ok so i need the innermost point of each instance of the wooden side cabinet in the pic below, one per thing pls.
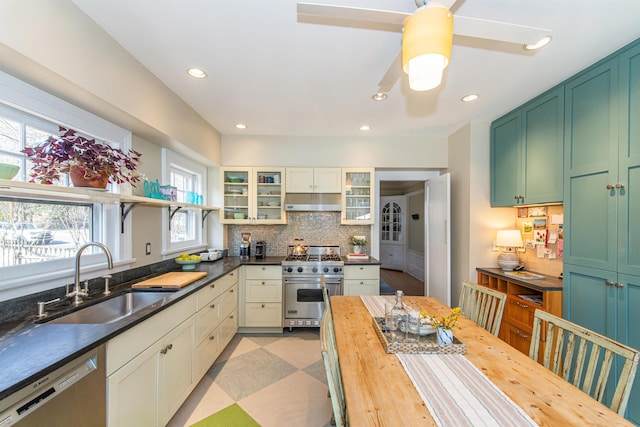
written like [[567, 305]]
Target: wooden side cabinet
[[523, 298]]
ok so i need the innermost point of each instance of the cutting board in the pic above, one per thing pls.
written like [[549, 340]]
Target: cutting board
[[171, 280]]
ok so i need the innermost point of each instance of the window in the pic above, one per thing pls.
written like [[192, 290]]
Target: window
[[39, 238], [186, 223]]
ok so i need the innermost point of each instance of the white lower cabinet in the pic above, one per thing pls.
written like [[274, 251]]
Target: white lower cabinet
[[361, 280], [261, 297], [152, 367]]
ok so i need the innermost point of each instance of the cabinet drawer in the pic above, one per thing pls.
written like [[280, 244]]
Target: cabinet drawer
[[207, 351], [264, 272], [228, 328], [266, 290], [517, 337], [362, 272], [267, 314], [362, 287], [207, 318], [216, 288], [228, 301], [520, 312]]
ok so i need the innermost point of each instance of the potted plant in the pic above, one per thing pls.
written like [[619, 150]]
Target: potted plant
[[88, 163], [358, 242]]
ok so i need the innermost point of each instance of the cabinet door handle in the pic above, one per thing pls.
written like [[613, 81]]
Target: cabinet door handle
[[212, 337], [521, 335], [213, 285], [263, 283], [166, 348], [519, 304], [262, 305], [608, 282], [619, 285]]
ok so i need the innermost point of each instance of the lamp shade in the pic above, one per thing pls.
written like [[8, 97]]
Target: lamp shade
[[509, 239], [426, 45]]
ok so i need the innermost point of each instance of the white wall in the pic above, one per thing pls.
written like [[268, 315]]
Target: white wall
[[379, 152], [473, 221], [51, 44]]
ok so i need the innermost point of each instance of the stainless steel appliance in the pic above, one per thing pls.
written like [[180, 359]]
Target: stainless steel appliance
[[302, 286], [73, 395], [261, 249]]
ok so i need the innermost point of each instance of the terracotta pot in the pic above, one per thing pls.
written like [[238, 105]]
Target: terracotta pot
[[78, 180]]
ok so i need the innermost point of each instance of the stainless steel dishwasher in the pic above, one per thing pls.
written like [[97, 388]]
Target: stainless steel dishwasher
[[73, 395]]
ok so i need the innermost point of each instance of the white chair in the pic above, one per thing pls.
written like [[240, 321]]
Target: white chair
[[584, 358], [483, 306], [332, 368]]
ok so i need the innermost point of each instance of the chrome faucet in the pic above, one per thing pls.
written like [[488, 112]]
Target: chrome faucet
[[77, 292]]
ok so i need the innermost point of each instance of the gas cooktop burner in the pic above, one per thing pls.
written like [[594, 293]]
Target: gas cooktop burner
[[315, 254], [314, 258]]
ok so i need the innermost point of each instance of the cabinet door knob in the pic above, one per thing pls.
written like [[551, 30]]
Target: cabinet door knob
[[263, 283], [608, 282], [262, 305], [212, 306], [212, 337], [619, 285], [213, 285], [618, 185]]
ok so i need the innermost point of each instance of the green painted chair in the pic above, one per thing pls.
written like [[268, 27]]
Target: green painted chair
[[332, 368], [483, 306], [584, 358]]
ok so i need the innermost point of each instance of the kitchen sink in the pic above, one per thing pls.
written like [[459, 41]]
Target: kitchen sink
[[112, 309]]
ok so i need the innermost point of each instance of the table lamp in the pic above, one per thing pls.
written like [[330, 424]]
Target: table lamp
[[509, 240]]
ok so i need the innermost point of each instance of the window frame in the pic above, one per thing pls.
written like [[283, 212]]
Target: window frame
[[23, 98], [171, 160]]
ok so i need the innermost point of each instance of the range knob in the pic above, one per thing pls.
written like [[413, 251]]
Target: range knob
[[289, 269], [326, 269], [300, 269], [336, 269], [314, 269]]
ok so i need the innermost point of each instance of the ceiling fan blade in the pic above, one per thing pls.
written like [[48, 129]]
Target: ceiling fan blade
[[392, 75], [352, 14], [494, 30]]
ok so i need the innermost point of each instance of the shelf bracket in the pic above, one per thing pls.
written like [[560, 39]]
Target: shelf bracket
[[172, 213], [124, 212], [205, 214]]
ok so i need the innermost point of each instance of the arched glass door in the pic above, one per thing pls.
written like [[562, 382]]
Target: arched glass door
[[392, 227]]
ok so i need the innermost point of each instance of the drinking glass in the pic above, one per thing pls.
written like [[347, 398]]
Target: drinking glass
[[390, 321]]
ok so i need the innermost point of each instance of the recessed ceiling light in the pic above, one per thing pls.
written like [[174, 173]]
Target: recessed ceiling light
[[380, 96], [197, 73], [364, 127], [241, 126], [541, 43], [470, 97]]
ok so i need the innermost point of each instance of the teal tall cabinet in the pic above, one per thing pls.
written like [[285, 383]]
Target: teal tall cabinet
[[601, 287], [526, 153]]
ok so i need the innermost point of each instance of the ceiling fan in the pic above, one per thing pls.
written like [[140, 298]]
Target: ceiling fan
[[427, 36]]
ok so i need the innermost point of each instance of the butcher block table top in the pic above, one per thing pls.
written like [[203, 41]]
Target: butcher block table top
[[378, 391], [175, 279]]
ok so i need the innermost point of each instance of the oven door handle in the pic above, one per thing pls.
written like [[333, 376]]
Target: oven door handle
[[311, 280]]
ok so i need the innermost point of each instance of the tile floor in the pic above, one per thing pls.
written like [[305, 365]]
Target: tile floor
[[278, 379]]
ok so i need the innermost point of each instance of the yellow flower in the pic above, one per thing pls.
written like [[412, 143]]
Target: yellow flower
[[447, 322]]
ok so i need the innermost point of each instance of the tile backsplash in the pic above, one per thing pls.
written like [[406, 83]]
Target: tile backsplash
[[316, 228]]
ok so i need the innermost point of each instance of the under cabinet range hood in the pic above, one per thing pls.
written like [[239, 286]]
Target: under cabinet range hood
[[316, 202]]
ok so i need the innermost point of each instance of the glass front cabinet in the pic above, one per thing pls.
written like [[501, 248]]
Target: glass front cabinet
[[253, 195], [357, 196]]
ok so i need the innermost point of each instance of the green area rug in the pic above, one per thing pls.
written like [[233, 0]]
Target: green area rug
[[231, 416]]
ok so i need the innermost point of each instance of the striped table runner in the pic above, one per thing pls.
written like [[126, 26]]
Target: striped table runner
[[455, 391]]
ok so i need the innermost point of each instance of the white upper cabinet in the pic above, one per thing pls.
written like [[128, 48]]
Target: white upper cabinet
[[314, 180]]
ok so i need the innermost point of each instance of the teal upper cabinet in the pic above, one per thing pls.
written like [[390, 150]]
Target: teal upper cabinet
[[629, 164], [590, 163], [526, 153]]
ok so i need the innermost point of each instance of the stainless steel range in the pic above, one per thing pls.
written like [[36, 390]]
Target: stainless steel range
[[302, 274]]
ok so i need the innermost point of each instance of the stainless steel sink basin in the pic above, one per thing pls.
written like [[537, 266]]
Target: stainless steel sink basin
[[112, 309]]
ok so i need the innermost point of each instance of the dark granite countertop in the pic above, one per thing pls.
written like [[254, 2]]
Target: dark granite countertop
[[370, 261], [549, 283], [29, 350]]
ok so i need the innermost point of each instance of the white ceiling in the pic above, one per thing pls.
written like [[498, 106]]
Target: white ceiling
[[282, 76]]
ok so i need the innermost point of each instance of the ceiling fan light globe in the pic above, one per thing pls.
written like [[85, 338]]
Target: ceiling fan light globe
[[425, 72], [427, 37]]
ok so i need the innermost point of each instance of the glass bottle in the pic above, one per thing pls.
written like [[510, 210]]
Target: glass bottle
[[399, 317]]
